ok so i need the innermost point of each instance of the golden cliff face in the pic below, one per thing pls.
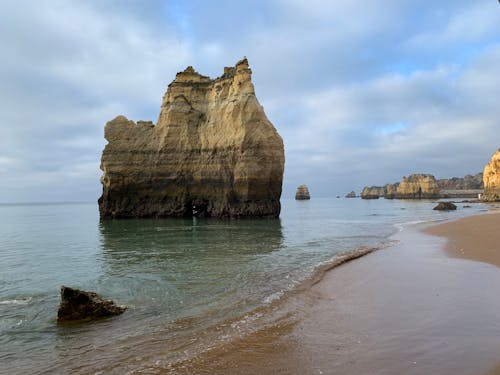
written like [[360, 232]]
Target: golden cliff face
[[418, 186], [491, 179], [213, 151]]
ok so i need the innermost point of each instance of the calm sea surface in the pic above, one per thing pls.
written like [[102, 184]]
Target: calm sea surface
[[187, 283]]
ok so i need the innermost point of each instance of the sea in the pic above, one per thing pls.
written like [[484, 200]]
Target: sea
[[189, 285]]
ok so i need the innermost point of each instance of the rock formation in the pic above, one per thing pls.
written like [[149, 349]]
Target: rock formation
[[491, 179], [372, 192], [352, 194], [213, 152], [391, 190], [302, 193], [80, 305], [468, 182], [418, 186], [445, 206]]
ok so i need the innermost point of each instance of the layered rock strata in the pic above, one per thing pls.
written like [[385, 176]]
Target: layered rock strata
[[302, 193], [415, 186], [491, 179], [418, 186], [213, 152], [372, 192]]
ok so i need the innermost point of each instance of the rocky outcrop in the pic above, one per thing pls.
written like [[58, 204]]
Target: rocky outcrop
[[468, 182], [491, 179], [302, 193], [213, 152], [372, 192], [390, 191], [352, 194], [418, 186], [80, 305], [445, 206]]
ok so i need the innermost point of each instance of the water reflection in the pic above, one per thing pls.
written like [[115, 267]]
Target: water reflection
[[182, 267], [136, 241]]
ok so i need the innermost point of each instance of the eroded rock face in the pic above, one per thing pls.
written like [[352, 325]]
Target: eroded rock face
[[491, 179], [372, 192], [302, 193], [80, 305], [418, 186], [468, 182], [212, 151]]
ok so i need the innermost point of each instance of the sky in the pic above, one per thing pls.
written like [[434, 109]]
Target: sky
[[362, 92]]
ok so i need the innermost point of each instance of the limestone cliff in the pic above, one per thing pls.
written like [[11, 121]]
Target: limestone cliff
[[418, 186], [468, 182], [491, 179], [391, 190], [302, 193], [372, 192], [213, 152]]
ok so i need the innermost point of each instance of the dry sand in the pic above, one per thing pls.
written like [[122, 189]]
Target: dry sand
[[408, 309], [474, 237]]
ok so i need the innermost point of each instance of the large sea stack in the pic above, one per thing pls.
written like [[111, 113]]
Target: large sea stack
[[418, 186], [491, 179], [213, 152]]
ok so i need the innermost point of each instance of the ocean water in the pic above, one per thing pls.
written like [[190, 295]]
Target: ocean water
[[189, 284]]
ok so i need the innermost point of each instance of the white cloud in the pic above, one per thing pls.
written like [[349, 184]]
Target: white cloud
[[361, 93]]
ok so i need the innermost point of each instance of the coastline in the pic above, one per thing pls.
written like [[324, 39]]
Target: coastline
[[410, 308], [474, 237]]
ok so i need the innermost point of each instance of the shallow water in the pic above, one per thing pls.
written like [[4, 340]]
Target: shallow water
[[189, 284]]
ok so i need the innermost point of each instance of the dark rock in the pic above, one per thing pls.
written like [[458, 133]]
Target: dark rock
[[445, 206], [352, 194], [80, 305]]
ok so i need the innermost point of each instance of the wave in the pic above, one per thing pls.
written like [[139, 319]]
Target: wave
[[17, 301]]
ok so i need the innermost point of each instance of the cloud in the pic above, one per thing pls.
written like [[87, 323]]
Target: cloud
[[361, 92]]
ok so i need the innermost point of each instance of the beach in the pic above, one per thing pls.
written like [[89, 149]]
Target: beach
[[475, 238], [410, 308]]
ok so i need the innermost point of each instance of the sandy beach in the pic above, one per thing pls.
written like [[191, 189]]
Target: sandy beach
[[476, 237], [406, 309]]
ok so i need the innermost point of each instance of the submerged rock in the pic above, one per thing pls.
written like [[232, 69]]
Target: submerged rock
[[302, 193], [491, 179], [445, 206], [80, 305], [212, 153]]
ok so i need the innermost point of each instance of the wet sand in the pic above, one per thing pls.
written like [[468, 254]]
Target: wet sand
[[476, 237], [407, 309]]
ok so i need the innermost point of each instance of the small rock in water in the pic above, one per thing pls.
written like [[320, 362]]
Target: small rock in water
[[445, 206], [80, 305]]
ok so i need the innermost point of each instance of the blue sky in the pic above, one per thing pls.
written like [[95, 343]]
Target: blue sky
[[362, 93]]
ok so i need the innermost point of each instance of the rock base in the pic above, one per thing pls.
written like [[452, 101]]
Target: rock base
[[80, 305]]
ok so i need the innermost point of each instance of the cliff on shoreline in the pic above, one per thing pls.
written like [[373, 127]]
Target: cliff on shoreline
[[213, 153], [425, 186], [491, 178]]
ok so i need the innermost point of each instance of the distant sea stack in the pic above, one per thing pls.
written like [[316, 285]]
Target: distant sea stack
[[352, 194], [491, 179], [418, 186], [372, 192], [302, 193], [213, 152], [415, 186]]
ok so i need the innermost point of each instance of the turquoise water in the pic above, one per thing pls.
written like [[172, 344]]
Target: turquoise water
[[181, 279]]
